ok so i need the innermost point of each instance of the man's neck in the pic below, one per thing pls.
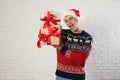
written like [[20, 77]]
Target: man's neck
[[78, 30]]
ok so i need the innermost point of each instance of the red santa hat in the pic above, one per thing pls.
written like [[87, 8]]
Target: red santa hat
[[73, 12]]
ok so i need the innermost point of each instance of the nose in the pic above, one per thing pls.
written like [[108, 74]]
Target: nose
[[68, 23]]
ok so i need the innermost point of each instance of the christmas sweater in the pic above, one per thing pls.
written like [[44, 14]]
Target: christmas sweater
[[72, 57]]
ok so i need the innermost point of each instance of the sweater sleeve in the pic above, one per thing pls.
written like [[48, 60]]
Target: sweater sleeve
[[63, 50]]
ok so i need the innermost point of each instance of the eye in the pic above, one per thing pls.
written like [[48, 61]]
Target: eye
[[66, 21]]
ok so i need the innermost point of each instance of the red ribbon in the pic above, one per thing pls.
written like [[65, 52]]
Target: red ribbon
[[46, 37], [49, 18]]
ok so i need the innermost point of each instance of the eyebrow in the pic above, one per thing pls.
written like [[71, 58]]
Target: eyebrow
[[71, 17]]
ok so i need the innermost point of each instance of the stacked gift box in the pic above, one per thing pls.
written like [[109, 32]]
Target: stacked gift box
[[50, 29]]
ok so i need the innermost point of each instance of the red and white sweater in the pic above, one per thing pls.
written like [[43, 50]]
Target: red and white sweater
[[72, 57]]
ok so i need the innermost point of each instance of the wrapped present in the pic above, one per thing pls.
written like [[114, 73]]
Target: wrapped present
[[49, 31], [51, 18]]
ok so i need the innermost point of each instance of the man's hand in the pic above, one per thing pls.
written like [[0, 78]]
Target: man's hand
[[59, 47]]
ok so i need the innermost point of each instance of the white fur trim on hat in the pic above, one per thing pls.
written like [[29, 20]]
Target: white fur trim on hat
[[70, 12]]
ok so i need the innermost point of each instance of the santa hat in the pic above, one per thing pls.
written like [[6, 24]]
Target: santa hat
[[73, 12]]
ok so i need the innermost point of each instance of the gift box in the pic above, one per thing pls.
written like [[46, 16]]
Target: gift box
[[52, 17], [50, 29]]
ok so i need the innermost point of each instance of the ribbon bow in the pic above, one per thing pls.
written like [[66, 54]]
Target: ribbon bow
[[76, 12], [49, 18], [46, 37]]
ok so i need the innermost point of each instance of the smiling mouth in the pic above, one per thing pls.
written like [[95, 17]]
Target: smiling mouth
[[72, 26]]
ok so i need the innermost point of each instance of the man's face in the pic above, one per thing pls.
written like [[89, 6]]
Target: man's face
[[71, 22]]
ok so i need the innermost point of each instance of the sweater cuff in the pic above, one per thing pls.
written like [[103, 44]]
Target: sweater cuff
[[63, 50]]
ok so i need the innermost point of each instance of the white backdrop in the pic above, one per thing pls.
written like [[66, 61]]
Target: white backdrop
[[20, 59]]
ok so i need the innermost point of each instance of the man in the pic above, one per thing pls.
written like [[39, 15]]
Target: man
[[74, 50]]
